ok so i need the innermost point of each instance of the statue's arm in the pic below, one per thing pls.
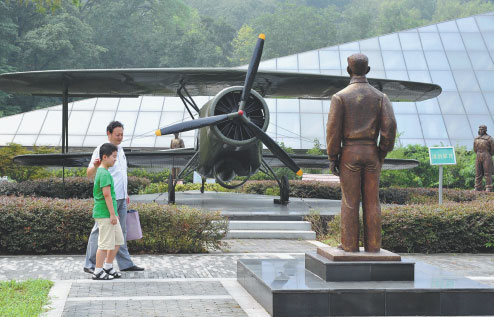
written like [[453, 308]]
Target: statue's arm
[[491, 150], [387, 129], [334, 128]]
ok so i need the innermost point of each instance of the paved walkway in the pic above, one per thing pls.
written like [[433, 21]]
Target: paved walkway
[[185, 285]]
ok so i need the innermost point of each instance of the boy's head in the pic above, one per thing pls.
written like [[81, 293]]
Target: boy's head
[[108, 154], [114, 131]]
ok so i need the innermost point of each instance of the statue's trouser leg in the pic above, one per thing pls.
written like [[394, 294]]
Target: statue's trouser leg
[[479, 173], [487, 165], [350, 173], [370, 202]]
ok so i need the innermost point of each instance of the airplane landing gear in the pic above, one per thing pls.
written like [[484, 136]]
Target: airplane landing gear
[[171, 190], [284, 192], [203, 180]]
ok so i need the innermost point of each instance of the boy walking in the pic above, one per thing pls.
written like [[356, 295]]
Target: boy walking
[[105, 214]]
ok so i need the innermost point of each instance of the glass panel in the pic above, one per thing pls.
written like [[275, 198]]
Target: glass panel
[[485, 23], [31, 122], [465, 80], [489, 40], [415, 60], [466, 143], [370, 44], [164, 140], [393, 60], [449, 26], [436, 142], [310, 144], [458, 126], [144, 142], [189, 141], [310, 71], [174, 104], [467, 25], [452, 42], [308, 105], [474, 42], [147, 123], [294, 143], [269, 64], [473, 103], [330, 48], [152, 103], [5, 139], [481, 61], [489, 98], [271, 104], [10, 124], [429, 28], [110, 104], [404, 107], [428, 107], [390, 42], [349, 46], [375, 59], [376, 74], [420, 76], [326, 104], [308, 60], [477, 120], [99, 122], [405, 142], [397, 75], [485, 78], [410, 41], [48, 140], [25, 140], [459, 60], [444, 79], [336, 72], [93, 141], [272, 125], [287, 62], [433, 126], [169, 118], [86, 104], [75, 140], [312, 126], [78, 122], [343, 58], [437, 60], [288, 125], [287, 105], [128, 119], [129, 104], [450, 103], [431, 41], [53, 123], [408, 126]]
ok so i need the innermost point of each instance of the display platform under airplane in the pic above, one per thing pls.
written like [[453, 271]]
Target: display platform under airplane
[[232, 125]]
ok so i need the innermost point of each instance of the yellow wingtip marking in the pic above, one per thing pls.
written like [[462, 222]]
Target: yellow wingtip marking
[[299, 173], [157, 132], [262, 36]]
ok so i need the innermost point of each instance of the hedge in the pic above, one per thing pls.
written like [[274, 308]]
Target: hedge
[[450, 227], [75, 187], [30, 225]]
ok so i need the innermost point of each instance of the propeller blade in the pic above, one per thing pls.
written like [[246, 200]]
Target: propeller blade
[[252, 70], [192, 124], [272, 146]]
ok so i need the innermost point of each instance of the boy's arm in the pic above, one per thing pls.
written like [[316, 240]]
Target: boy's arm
[[93, 164], [109, 203]]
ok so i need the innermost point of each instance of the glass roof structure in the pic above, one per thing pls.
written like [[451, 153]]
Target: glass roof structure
[[457, 55]]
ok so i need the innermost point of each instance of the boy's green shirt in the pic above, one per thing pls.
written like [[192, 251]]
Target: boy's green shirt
[[102, 179]]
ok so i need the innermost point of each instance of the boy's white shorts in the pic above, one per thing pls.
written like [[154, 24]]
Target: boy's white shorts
[[109, 235]]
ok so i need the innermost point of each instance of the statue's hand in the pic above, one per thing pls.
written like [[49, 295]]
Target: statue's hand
[[334, 167], [382, 155]]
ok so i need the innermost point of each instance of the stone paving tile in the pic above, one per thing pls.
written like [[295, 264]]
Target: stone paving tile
[[263, 245], [131, 288], [174, 308]]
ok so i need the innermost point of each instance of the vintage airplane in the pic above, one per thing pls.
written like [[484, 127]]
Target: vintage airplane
[[232, 125]]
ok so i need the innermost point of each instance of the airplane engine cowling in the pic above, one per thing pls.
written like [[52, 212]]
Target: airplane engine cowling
[[233, 132]]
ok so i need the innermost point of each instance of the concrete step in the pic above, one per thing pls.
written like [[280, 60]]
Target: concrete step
[[270, 225], [271, 234]]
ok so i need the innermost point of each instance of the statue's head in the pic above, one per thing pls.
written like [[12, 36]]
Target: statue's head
[[482, 129], [358, 65], [176, 135]]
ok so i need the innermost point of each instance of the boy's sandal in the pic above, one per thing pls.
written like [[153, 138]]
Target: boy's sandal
[[113, 273], [103, 276]]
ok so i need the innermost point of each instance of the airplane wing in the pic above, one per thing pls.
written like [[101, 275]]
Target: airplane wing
[[198, 82], [158, 159], [321, 161]]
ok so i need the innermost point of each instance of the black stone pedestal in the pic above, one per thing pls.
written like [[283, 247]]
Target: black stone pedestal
[[285, 288]]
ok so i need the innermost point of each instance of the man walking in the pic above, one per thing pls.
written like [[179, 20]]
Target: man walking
[[359, 114], [114, 131]]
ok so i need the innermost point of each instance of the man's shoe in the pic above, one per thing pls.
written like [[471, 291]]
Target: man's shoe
[[89, 270], [133, 268]]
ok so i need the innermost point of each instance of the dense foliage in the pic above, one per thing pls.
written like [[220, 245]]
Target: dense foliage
[[56, 34], [30, 225]]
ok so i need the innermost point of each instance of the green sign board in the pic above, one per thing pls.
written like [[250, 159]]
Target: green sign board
[[442, 155]]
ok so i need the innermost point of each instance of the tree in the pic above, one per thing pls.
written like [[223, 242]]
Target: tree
[[243, 45]]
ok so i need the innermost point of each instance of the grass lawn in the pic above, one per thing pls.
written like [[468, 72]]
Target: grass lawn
[[25, 298]]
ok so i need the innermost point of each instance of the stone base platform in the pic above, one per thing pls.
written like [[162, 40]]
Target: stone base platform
[[285, 288], [336, 254]]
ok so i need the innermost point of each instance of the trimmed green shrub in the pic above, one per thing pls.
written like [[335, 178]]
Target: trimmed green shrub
[[30, 225], [75, 187]]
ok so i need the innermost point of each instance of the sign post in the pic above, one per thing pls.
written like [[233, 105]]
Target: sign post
[[442, 156]]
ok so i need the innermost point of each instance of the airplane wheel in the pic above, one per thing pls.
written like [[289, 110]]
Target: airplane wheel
[[171, 190], [284, 190]]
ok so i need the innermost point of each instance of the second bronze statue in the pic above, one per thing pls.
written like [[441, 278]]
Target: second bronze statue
[[359, 115]]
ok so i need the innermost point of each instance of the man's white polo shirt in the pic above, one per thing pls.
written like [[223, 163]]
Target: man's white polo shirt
[[117, 171]]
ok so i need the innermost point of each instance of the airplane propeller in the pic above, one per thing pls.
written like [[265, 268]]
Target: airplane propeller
[[259, 133]]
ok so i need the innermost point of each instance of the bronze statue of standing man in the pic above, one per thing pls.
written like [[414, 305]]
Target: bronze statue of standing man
[[359, 115], [176, 143], [483, 145]]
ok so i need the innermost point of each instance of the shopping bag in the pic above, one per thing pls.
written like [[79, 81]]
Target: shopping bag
[[134, 231]]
